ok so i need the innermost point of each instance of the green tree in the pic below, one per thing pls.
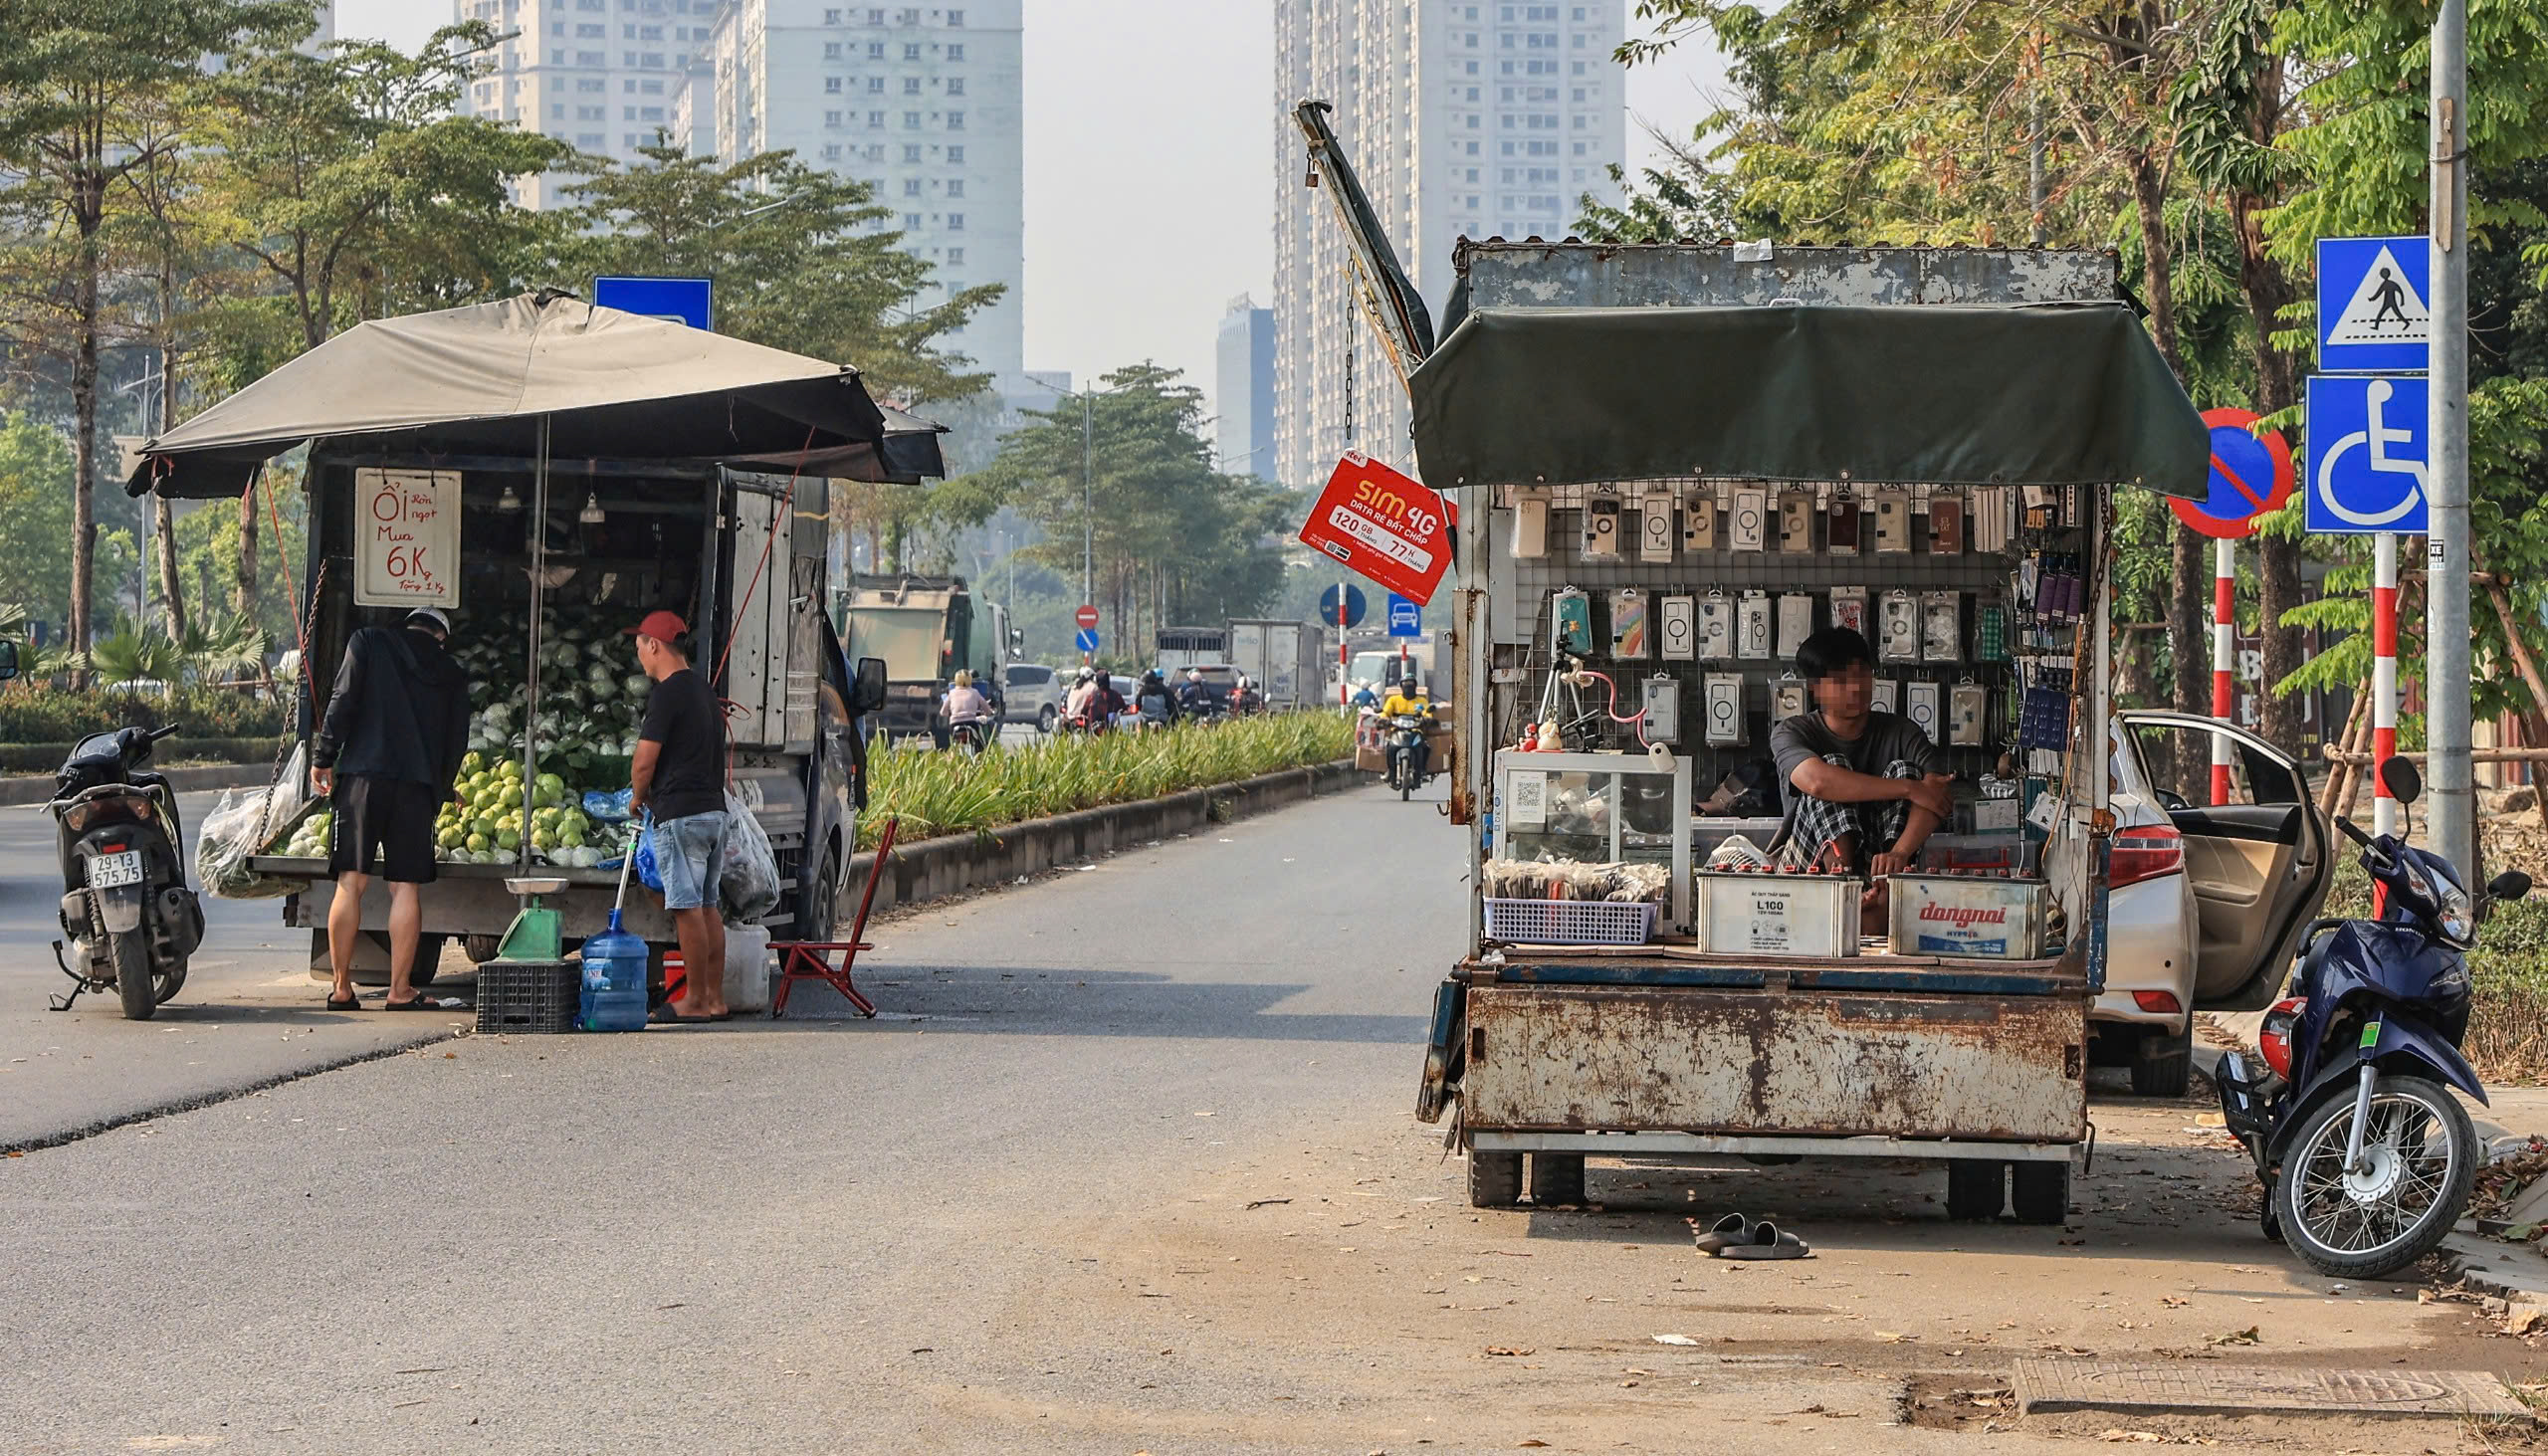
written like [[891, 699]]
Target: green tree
[[800, 257], [35, 475], [73, 76]]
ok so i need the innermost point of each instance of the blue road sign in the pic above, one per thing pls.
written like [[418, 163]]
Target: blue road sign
[[681, 300], [2372, 314], [2369, 445], [1406, 618], [1088, 639], [1354, 605]]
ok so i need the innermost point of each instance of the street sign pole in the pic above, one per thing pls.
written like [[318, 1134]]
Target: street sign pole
[[1343, 689], [2225, 702], [2451, 827], [2384, 677]]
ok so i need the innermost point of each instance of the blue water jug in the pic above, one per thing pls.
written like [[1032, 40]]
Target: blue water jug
[[614, 988]]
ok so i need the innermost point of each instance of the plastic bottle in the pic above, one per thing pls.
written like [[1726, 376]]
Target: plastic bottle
[[614, 987]]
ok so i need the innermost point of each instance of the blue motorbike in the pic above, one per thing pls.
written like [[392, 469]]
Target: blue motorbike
[[2367, 1158]]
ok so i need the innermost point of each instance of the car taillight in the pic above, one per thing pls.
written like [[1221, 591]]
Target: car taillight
[[2144, 852], [2157, 1003], [2275, 1037]]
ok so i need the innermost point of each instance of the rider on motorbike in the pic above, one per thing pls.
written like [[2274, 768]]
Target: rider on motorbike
[[1193, 697], [1159, 705], [967, 706], [1408, 699]]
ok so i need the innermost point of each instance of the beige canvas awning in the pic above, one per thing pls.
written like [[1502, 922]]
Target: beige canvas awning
[[478, 380]]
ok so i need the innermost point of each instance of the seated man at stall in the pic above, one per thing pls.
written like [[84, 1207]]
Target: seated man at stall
[[1864, 790]]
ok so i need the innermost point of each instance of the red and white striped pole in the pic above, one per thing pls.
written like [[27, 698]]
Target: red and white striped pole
[[2384, 677], [2224, 591]]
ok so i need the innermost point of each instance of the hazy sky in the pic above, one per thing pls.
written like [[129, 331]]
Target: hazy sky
[[1150, 128]]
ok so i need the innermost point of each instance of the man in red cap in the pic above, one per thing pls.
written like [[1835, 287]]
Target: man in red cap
[[680, 775]]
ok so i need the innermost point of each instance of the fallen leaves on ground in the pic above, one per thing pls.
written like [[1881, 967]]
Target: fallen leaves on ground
[[2247, 1336], [1511, 1349]]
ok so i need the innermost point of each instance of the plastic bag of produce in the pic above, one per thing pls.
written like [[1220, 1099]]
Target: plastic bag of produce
[[747, 884], [606, 808], [244, 825]]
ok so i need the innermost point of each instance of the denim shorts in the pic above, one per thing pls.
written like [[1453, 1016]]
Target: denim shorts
[[689, 853]]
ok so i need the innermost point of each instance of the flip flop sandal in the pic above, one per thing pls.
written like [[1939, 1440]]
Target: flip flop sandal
[[666, 1017], [1731, 1230], [419, 1003], [1769, 1241], [350, 1003]]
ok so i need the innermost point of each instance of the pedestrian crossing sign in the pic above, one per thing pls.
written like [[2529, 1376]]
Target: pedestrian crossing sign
[[2372, 305]]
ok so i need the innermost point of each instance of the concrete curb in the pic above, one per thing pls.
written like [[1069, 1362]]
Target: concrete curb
[[37, 788], [933, 869]]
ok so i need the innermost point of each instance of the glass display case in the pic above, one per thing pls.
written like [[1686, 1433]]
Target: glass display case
[[1596, 809]]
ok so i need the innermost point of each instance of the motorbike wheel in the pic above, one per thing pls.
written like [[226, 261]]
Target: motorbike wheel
[[2421, 1157], [169, 981], [134, 986]]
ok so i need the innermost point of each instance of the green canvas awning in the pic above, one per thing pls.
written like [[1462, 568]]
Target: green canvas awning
[[2050, 395]]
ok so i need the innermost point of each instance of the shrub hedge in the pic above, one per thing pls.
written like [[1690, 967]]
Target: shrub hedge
[[52, 715]]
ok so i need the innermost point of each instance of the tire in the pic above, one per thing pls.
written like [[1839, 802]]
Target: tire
[[2163, 1062], [1557, 1180], [428, 959], [2040, 1192], [821, 913], [169, 982], [2312, 1195], [1047, 721], [1495, 1179], [480, 948], [133, 983], [1977, 1189]]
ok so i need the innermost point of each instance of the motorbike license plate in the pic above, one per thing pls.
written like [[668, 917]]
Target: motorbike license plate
[[109, 871]]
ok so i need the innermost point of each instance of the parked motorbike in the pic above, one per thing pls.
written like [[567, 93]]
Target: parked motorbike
[[1406, 751], [125, 909], [2366, 1156]]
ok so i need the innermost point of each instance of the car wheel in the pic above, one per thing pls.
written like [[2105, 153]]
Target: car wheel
[[1495, 1179], [1048, 720], [1557, 1180], [2040, 1192], [2163, 1062], [1977, 1188]]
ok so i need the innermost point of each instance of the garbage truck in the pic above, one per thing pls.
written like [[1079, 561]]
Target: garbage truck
[[925, 629]]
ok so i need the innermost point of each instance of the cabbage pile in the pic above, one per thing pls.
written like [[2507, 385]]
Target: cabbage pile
[[308, 841], [591, 693]]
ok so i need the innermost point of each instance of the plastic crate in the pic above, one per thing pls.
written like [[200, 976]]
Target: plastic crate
[[1570, 922], [528, 997]]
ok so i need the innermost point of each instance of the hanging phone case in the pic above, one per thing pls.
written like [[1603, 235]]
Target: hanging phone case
[[1698, 520], [1749, 519], [1899, 633], [1786, 697], [1843, 530], [1530, 524], [1662, 723], [1724, 703], [1716, 628], [1920, 702], [1945, 525], [1676, 628], [1795, 622], [1601, 526], [1849, 608], [1886, 697], [1893, 520], [1654, 525], [1968, 705], [1630, 639], [1795, 522], [1941, 626], [1752, 626], [1571, 621], [1990, 519], [1990, 634]]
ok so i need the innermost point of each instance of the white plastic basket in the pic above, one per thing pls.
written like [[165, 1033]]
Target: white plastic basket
[[1570, 922]]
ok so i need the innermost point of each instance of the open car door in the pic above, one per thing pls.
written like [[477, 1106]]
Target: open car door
[[2260, 864]]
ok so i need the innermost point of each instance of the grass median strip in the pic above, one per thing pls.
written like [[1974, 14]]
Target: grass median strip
[[936, 793]]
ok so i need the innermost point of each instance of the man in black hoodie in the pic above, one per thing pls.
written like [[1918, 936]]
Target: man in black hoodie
[[387, 753]]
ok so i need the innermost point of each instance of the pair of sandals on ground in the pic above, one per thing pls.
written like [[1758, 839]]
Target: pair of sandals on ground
[[1737, 1237], [418, 1002]]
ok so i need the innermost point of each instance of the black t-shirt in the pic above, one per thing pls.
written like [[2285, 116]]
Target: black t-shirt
[[689, 770]]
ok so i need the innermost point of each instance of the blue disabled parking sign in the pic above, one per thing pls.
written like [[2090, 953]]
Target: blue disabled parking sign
[[1406, 618], [2369, 450]]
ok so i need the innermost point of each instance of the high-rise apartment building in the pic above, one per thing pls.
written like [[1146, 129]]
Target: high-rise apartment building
[[919, 101], [598, 75], [1243, 390], [1475, 119]]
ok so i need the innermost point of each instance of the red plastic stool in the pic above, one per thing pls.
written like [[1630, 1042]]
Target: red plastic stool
[[809, 960]]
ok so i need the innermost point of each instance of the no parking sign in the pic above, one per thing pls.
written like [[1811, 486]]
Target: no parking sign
[[2252, 475]]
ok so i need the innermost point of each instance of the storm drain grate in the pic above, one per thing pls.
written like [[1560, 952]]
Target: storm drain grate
[[2058, 1384]]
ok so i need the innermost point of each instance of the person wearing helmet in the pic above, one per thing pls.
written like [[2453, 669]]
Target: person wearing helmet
[[1159, 705], [1194, 697], [1408, 699], [1076, 707], [966, 707]]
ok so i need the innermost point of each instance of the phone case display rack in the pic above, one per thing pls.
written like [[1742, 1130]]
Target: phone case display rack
[[1693, 595]]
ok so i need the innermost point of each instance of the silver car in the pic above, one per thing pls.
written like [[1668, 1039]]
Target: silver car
[[1032, 693], [2204, 905]]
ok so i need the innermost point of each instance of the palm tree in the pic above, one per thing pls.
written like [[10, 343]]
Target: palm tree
[[222, 649], [132, 655]]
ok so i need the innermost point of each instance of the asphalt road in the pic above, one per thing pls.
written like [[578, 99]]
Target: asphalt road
[[1128, 1165], [249, 1012]]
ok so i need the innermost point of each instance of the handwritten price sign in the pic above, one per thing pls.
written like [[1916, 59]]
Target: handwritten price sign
[[407, 551], [1385, 526]]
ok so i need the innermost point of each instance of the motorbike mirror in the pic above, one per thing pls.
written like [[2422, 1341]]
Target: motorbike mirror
[[8, 661], [2510, 885], [870, 688], [2399, 775]]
